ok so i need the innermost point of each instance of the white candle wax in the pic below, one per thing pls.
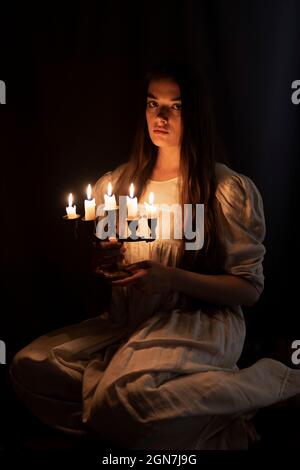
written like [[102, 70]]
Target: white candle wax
[[110, 199], [132, 205], [152, 206], [89, 205], [71, 210], [151, 209]]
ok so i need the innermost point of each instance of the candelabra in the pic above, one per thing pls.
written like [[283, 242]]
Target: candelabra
[[117, 270]]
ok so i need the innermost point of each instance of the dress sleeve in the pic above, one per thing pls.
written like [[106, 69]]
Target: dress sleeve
[[243, 224]]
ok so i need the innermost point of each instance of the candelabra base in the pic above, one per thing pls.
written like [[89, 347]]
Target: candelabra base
[[138, 239], [73, 224], [75, 217], [113, 275]]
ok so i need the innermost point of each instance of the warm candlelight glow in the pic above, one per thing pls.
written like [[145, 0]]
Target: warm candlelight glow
[[89, 205], [151, 198], [110, 199], [89, 192], [150, 207], [132, 205], [71, 211]]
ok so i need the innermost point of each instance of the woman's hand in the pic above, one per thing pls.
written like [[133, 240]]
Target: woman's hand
[[106, 254], [149, 276]]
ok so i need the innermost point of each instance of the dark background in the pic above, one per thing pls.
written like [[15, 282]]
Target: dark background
[[72, 75]]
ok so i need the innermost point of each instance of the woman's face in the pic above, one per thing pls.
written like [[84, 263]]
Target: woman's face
[[163, 113]]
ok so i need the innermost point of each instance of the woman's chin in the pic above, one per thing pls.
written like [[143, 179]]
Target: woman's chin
[[161, 140]]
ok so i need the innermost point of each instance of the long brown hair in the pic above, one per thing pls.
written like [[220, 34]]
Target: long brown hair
[[199, 149]]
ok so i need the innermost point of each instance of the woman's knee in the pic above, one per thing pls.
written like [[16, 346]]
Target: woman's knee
[[38, 369], [27, 367]]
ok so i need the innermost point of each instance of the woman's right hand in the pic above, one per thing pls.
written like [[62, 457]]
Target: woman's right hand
[[107, 254]]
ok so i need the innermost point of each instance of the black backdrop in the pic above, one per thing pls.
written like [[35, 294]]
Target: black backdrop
[[72, 73]]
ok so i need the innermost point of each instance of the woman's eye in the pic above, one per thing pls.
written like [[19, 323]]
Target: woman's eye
[[151, 104], [177, 106], [154, 104]]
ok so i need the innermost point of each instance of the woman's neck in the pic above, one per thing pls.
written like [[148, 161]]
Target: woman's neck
[[168, 160]]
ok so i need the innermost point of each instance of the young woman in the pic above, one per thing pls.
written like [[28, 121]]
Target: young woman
[[158, 369]]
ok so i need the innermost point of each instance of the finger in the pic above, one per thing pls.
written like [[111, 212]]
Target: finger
[[112, 239], [112, 260], [129, 280], [140, 273], [98, 272], [139, 265], [107, 265], [109, 262]]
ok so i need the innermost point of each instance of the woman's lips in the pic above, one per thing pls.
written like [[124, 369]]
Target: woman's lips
[[160, 131]]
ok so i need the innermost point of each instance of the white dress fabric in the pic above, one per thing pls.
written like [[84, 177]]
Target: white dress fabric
[[149, 373]]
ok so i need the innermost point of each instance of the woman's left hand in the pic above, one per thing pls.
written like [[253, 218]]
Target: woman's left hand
[[148, 275]]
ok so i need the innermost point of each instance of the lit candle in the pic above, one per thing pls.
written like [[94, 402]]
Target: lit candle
[[152, 206], [110, 199], [132, 205], [71, 211], [89, 205], [151, 209]]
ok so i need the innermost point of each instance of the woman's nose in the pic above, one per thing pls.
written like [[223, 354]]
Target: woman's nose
[[162, 114]]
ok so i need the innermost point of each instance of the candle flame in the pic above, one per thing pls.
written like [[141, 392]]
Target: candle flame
[[151, 198], [89, 191], [131, 190], [70, 199], [109, 189]]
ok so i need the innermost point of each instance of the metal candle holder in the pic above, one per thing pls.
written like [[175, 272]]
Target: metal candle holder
[[152, 224], [74, 220]]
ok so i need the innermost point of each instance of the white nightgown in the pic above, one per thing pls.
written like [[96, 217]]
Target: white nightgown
[[149, 373]]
